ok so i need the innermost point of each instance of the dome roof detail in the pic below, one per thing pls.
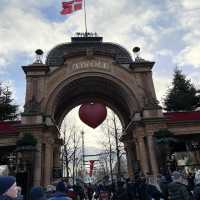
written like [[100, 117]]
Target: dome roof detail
[[59, 53]]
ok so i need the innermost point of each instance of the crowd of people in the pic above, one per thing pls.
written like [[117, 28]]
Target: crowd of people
[[175, 186]]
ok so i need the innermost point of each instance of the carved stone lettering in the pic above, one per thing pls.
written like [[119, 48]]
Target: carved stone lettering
[[98, 64]]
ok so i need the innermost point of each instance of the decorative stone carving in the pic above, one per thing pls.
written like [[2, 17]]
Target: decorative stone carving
[[32, 106]]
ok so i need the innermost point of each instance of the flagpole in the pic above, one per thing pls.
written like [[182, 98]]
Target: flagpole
[[85, 19]]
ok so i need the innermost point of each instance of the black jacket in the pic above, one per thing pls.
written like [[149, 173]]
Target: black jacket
[[196, 192], [178, 191]]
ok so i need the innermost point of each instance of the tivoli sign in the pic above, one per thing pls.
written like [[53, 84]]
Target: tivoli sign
[[98, 64]]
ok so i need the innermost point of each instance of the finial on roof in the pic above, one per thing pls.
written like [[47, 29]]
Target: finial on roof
[[136, 51], [38, 58]]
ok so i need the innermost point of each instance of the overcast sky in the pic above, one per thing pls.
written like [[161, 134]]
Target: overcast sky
[[167, 31]]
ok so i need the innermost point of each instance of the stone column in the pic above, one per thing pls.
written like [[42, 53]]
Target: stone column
[[56, 157], [37, 165], [48, 162], [143, 155], [129, 160], [132, 159], [152, 155]]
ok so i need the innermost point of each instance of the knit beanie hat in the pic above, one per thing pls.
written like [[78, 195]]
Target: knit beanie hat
[[37, 193], [5, 183], [60, 187]]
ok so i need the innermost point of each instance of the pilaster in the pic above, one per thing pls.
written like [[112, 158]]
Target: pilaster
[[48, 161], [152, 155], [129, 155], [143, 155], [38, 165]]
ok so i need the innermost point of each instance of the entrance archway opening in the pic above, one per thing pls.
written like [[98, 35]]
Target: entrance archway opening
[[95, 87], [83, 144]]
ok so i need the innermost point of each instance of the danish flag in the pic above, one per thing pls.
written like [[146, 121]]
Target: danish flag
[[71, 6]]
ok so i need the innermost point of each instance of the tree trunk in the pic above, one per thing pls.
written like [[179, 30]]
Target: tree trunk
[[117, 150]]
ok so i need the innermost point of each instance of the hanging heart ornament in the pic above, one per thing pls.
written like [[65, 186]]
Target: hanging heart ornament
[[92, 114]]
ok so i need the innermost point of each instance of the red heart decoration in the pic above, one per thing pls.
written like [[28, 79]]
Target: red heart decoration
[[92, 114]]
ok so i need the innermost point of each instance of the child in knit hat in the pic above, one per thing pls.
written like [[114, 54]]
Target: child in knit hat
[[8, 187]]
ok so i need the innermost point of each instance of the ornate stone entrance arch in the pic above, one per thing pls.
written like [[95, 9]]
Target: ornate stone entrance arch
[[90, 69], [89, 87]]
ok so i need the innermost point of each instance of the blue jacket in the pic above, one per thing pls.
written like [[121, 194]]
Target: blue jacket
[[59, 196]]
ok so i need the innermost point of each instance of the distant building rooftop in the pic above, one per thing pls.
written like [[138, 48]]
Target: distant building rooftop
[[182, 116], [8, 127]]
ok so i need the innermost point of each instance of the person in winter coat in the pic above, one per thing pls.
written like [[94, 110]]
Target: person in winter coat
[[141, 190], [50, 190], [37, 193], [89, 191], [177, 189], [163, 183], [190, 180], [8, 188], [196, 191], [60, 193], [71, 193], [154, 192], [122, 192], [79, 191]]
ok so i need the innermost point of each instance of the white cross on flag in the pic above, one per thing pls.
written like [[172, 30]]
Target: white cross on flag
[[71, 6]]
